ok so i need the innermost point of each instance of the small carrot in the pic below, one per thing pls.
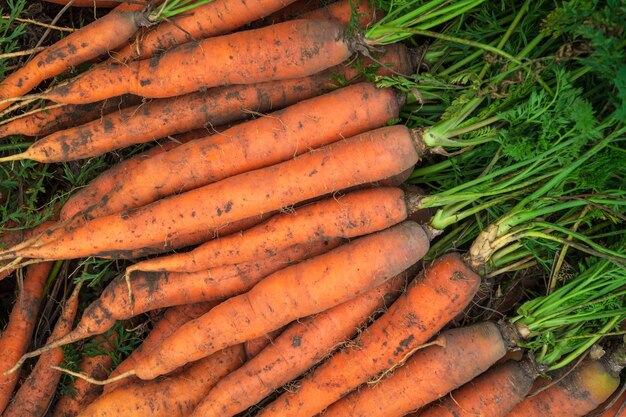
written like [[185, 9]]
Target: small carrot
[[152, 291], [42, 122], [15, 339], [173, 318], [82, 392], [34, 395], [299, 347], [457, 356], [91, 41], [576, 393], [492, 394], [283, 51], [343, 11], [176, 395], [441, 291], [255, 346], [291, 293], [382, 153], [349, 216]]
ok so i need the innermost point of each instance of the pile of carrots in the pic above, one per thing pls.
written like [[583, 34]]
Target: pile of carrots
[[271, 254]]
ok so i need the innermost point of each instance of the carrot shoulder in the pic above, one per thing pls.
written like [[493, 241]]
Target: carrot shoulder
[[16, 337], [441, 291], [283, 51], [382, 153], [300, 346], [34, 396], [294, 292], [428, 374]]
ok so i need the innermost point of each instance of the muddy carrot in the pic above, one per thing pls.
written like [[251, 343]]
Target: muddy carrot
[[255, 346]]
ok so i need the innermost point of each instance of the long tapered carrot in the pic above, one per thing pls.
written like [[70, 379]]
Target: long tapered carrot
[[355, 214], [152, 291], [382, 153], [283, 51], [218, 106], [576, 394], [173, 318], [428, 374], [297, 349], [91, 41], [296, 291], [441, 291], [46, 121], [493, 394], [176, 395], [82, 393], [16, 337], [34, 395]]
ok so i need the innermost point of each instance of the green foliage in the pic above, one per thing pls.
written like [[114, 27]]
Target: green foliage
[[71, 361], [10, 31], [120, 343]]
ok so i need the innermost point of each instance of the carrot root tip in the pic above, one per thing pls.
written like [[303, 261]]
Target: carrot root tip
[[91, 380]]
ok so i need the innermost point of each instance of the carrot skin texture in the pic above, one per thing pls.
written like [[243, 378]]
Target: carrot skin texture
[[349, 216], [574, 396], [492, 394], [294, 292], [618, 409], [246, 57], [152, 291], [173, 318], [16, 337], [34, 395], [383, 153], [440, 292], [218, 106], [301, 345], [97, 367], [340, 11], [255, 346], [48, 121], [428, 374], [175, 395], [76, 48]]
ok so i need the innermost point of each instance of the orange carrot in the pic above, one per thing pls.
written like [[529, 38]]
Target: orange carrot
[[342, 11], [34, 395], [437, 295], [428, 374], [15, 339], [152, 291], [382, 153], [492, 394], [89, 42], [297, 291], [283, 51], [219, 106], [84, 393], [175, 395], [575, 394], [618, 409], [298, 348], [255, 346], [352, 215], [173, 318]]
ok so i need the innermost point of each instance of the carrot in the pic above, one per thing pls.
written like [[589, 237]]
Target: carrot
[[34, 395], [441, 291], [298, 348], [428, 374], [576, 394], [255, 346], [84, 393], [87, 3], [282, 51], [352, 215], [216, 107], [176, 395], [152, 291], [618, 409], [173, 318], [492, 394], [45, 121], [89, 42], [15, 339], [382, 153], [342, 11], [291, 293]]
